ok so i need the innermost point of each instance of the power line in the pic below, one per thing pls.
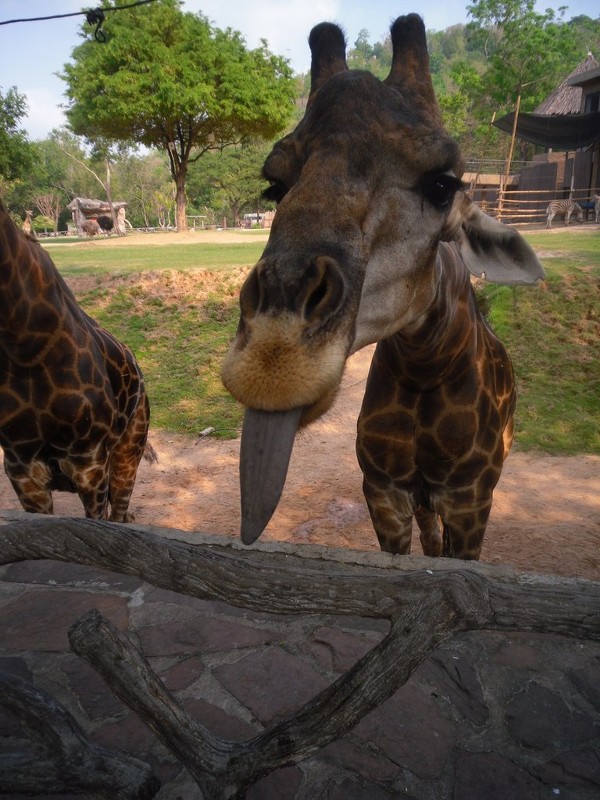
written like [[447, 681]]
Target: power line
[[76, 13]]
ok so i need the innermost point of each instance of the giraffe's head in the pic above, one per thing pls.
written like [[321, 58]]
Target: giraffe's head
[[367, 186]]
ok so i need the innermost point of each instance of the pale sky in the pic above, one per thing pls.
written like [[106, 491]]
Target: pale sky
[[32, 52]]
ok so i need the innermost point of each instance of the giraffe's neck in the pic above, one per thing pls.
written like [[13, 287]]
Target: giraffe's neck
[[444, 341], [34, 299]]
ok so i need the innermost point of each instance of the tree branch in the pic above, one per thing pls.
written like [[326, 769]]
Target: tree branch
[[84, 165], [224, 768], [425, 607], [65, 760], [497, 598]]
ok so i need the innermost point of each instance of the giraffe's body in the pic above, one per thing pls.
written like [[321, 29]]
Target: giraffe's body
[[73, 409], [371, 242], [27, 227]]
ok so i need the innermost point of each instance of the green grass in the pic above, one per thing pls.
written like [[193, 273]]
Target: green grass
[[90, 258], [176, 306], [179, 320], [572, 247], [553, 336], [179, 340]]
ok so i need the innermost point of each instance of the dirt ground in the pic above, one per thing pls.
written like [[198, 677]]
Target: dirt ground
[[546, 514]]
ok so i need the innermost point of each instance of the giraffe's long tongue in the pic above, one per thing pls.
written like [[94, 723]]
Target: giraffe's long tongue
[[265, 450]]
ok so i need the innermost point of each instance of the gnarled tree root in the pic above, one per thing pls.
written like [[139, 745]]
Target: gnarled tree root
[[425, 607], [63, 759]]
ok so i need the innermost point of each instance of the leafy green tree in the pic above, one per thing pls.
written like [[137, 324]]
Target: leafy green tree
[[61, 170], [532, 53], [456, 103], [144, 181], [587, 32], [234, 176], [376, 58], [16, 152], [60, 161], [526, 56], [168, 79]]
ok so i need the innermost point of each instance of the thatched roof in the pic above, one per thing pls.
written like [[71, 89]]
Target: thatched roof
[[559, 131], [566, 99]]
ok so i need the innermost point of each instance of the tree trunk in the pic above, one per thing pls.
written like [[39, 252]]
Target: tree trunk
[[180, 201], [178, 161], [118, 229]]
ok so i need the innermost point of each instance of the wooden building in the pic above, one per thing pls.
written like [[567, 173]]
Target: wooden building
[[567, 125]]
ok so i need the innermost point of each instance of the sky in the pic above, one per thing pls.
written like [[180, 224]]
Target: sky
[[31, 53]]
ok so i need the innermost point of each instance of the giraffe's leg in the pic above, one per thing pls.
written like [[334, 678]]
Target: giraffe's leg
[[92, 488], [31, 483], [508, 436], [123, 470], [89, 479], [391, 514], [124, 462], [464, 529], [431, 534]]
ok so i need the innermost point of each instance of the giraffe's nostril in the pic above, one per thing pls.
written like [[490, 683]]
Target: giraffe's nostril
[[314, 300], [315, 294], [324, 292], [250, 294]]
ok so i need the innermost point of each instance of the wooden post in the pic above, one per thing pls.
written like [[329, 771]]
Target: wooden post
[[509, 158]]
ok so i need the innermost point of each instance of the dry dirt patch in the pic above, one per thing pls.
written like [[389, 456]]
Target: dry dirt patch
[[546, 515]]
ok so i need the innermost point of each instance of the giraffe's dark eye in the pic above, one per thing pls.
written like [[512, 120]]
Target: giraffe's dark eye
[[440, 189], [275, 192]]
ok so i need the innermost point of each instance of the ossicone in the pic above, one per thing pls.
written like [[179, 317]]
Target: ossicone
[[410, 61], [328, 47]]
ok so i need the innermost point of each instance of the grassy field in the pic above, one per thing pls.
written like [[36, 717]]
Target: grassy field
[[177, 308], [553, 336], [90, 258]]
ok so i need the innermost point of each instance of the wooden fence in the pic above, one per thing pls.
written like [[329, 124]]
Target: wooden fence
[[519, 206], [522, 195]]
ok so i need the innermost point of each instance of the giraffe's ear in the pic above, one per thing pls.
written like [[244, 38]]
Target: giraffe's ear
[[490, 249]]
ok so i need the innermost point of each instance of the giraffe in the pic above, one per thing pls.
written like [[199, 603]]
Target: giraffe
[[74, 413], [27, 226], [373, 241]]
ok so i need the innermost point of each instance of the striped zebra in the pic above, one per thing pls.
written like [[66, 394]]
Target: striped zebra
[[597, 207], [566, 207]]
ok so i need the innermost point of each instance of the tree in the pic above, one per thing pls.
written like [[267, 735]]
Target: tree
[[144, 181], [234, 176], [521, 36], [587, 31], [49, 206], [16, 153], [376, 58], [61, 166], [168, 79]]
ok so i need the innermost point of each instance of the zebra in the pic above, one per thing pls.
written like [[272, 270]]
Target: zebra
[[597, 207], [566, 207]]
